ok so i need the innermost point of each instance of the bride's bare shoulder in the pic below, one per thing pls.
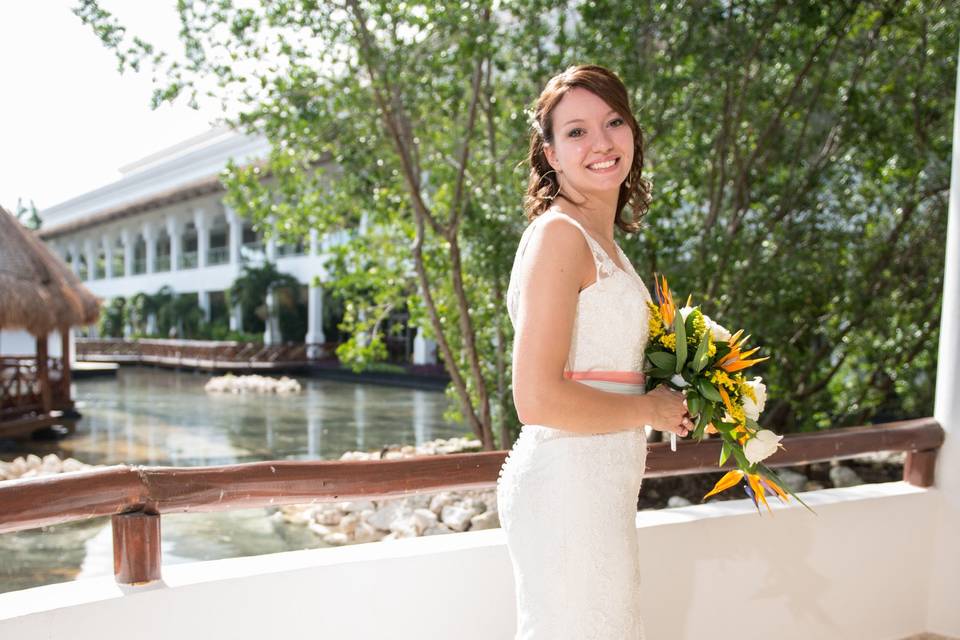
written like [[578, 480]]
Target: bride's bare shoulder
[[557, 247]]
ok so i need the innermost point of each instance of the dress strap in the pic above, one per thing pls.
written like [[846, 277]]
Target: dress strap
[[602, 262]]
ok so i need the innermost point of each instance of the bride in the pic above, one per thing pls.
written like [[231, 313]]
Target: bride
[[567, 492]]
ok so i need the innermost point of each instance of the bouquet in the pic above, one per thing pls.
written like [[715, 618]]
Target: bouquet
[[691, 353]]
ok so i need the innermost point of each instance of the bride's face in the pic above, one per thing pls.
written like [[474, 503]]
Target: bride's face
[[587, 135]]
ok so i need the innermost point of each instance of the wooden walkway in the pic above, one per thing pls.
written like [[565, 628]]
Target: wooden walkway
[[203, 355]]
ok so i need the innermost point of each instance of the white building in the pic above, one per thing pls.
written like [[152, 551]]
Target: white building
[[165, 223]]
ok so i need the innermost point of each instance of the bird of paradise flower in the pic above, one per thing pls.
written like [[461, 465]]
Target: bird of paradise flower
[[690, 352]]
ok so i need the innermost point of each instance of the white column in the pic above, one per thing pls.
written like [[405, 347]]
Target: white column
[[362, 335], [945, 570], [176, 241], [203, 237], [88, 250], [314, 319], [128, 238], [203, 298], [314, 243], [150, 239], [107, 244], [236, 318], [236, 235], [424, 349], [271, 242], [271, 333], [74, 257]]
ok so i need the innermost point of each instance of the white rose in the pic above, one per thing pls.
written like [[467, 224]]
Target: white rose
[[718, 332], [685, 311], [761, 446], [678, 380], [750, 408]]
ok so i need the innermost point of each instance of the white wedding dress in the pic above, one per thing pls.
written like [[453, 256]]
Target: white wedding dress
[[568, 501]]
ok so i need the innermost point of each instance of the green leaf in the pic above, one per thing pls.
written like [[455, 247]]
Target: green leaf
[[657, 372], [708, 391], [693, 403], [681, 342], [663, 360], [707, 410], [725, 452], [700, 359]]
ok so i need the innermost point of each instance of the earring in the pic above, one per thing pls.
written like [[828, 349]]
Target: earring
[[558, 183]]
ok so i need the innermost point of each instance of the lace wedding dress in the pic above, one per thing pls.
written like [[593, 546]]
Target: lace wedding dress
[[567, 500]]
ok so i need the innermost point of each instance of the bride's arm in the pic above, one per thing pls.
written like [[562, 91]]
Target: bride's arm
[[553, 266]]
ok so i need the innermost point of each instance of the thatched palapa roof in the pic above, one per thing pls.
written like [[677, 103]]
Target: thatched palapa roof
[[38, 291]]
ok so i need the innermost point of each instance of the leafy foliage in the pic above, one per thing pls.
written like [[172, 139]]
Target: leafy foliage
[[799, 154]]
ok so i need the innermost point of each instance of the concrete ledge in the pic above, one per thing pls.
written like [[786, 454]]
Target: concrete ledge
[[857, 569]]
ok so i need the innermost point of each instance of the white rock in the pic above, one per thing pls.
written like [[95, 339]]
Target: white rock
[[424, 519], [418, 501], [678, 501], [34, 461], [319, 529], [437, 530], [348, 523], [842, 476], [366, 533], [51, 463], [488, 520], [301, 516], [74, 465], [386, 514], [329, 517], [336, 538], [405, 527], [356, 506], [441, 500], [793, 480], [457, 518], [473, 504]]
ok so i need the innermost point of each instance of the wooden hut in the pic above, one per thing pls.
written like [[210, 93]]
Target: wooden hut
[[39, 294]]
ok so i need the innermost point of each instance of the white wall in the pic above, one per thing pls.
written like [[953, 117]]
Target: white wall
[[21, 343], [858, 569]]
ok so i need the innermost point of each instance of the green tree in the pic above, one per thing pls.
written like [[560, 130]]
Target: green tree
[[28, 216], [798, 152], [112, 318], [249, 291]]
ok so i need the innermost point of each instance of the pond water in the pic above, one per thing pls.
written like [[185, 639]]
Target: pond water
[[160, 417]]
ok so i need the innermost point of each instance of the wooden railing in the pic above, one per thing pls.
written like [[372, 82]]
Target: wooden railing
[[137, 496], [204, 354], [20, 386]]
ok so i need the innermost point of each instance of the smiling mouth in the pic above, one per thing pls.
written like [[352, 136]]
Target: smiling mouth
[[604, 167]]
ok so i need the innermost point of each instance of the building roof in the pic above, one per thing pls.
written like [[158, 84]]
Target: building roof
[[39, 292], [195, 189]]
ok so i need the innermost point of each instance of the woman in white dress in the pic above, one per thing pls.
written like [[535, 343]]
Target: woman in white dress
[[567, 492]]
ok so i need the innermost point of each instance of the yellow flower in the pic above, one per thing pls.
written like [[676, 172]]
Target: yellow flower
[[669, 340], [655, 321], [720, 377], [711, 350], [738, 414]]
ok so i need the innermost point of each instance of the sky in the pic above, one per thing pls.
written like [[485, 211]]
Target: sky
[[68, 119]]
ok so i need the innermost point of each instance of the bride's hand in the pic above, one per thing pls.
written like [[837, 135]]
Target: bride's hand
[[667, 411]]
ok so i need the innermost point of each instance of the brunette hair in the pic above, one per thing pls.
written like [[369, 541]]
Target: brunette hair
[[543, 184]]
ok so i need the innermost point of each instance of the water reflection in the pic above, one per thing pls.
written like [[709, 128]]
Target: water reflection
[[158, 417]]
